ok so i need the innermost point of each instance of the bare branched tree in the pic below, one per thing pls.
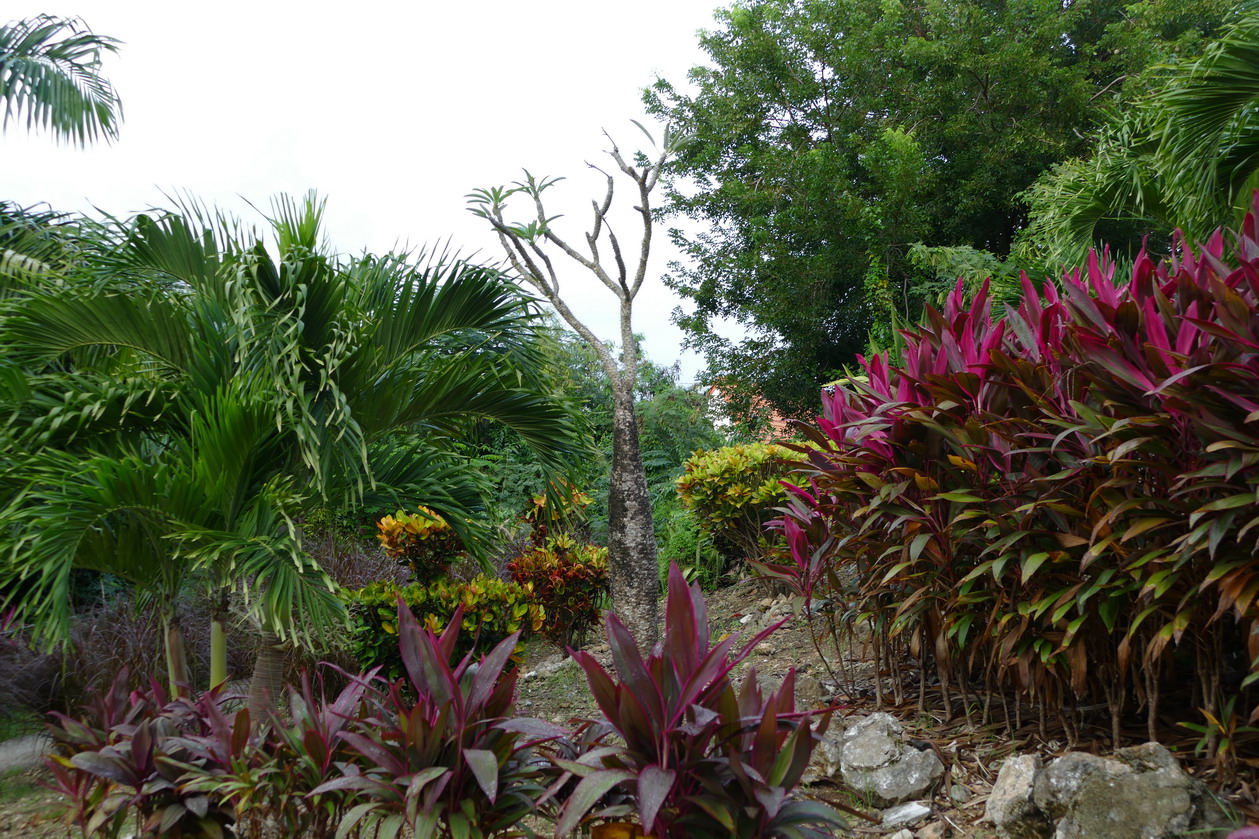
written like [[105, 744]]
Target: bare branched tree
[[631, 538]]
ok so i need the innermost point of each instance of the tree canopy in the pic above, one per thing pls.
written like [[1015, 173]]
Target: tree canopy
[[830, 136]]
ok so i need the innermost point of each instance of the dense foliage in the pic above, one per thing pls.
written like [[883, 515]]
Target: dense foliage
[[1062, 500], [569, 581], [491, 609], [438, 752], [1184, 157], [435, 751], [828, 136], [177, 396], [732, 493], [423, 543]]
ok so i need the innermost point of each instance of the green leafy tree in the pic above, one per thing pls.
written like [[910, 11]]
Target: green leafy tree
[[830, 136], [50, 75]]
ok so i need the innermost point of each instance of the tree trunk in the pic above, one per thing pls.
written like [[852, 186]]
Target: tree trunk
[[632, 565], [218, 641], [267, 684], [176, 655]]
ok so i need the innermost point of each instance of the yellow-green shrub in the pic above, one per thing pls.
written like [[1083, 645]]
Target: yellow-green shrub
[[492, 610], [732, 492], [425, 543]]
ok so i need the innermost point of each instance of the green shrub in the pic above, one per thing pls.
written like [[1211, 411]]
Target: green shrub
[[492, 610], [732, 492], [683, 542], [425, 543], [568, 580]]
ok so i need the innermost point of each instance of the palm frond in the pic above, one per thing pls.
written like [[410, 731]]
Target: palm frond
[[50, 73]]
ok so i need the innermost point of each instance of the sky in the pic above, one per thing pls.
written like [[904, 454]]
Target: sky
[[392, 111]]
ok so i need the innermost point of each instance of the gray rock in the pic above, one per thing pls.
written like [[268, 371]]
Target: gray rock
[[904, 833], [1143, 795], [878, 763], [905, 814], [824, 765], [1010, 806], [554, 664], [1059, 784]]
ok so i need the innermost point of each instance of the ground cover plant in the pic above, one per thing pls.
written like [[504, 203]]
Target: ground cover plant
[[1059, 499]]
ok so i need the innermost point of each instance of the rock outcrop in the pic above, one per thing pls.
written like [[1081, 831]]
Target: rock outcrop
[[1140, 793]]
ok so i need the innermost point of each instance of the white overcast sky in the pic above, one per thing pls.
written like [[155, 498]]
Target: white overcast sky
[[393, 111]]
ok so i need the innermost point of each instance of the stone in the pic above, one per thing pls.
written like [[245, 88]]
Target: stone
[[935, 830], [905, 814], [1143, 795], [877, 762], [810, 692], [959, 794], [904, 833], [554, 664], [1140, 793], [1059, 783], [1010, 806], [827, 753]]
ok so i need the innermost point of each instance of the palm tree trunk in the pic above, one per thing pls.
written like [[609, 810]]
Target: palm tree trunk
[[218, 641], [176, 654], [267, 684], [632, 565]]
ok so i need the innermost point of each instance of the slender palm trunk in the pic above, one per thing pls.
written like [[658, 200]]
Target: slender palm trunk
[[632, 564], [218, 640], [267, 685], [176, 654]]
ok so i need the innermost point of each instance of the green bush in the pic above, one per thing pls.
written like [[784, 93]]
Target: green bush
[[732, 492], [492, 610], [683, 542]]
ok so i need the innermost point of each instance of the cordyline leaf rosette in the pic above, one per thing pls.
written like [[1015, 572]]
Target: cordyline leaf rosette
[[1081, 474], [450, 762], [701, 758], [123, 758]]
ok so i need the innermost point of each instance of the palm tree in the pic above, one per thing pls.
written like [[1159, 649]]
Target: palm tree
[[50, 74], [1187, 157], [251, 389]]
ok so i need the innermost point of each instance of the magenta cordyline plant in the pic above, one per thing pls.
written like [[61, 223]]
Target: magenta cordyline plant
[[701, 758], [1077, 473], [438, 753]]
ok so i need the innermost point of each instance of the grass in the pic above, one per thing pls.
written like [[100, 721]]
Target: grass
[[16, 785]]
